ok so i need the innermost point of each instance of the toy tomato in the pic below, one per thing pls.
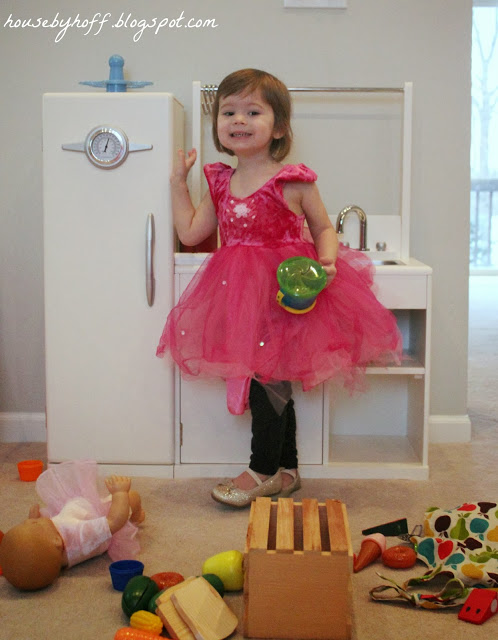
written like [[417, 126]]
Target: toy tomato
[[167, 579], [399, 557]]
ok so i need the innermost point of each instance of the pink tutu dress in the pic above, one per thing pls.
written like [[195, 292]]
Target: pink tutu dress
[[228, 324], [78, 510]]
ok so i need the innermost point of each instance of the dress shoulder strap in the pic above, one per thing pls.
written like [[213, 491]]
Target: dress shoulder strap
[[296, 173], [217, 175]]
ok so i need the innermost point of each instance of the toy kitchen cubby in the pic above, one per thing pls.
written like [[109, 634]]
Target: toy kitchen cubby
[[383, 431]]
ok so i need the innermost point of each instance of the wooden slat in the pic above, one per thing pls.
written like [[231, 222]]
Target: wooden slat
[[285, 524], [259, 524], [312, 540], [337, 526]]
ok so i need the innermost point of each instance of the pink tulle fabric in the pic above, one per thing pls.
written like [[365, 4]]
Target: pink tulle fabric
[[228, 324], [78, 508]]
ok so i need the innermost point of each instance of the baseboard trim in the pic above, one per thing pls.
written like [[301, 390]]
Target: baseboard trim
[[451, 428], [22, 427], [31, 427]]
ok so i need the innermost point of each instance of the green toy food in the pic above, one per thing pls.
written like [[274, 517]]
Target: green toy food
[[152, 606], [137, 594], [215, 582], [227, 565]]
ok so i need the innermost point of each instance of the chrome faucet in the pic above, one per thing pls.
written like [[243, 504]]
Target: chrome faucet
[[363, 224]]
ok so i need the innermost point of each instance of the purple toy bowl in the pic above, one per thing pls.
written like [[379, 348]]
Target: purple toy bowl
[[123, 570]]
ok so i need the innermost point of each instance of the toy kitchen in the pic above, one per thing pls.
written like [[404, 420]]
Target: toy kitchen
[[112, 273]]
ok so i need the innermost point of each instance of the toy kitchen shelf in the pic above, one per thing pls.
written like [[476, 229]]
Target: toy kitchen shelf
[[383, 432]]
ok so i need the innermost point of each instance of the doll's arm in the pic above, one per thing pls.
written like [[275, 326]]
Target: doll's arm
[[192, 225], [118, 487], [34, 512]]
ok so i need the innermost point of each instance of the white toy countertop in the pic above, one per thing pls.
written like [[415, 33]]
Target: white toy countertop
[[189, 262]]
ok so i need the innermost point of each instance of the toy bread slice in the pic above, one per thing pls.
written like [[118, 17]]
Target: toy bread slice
[[170, 617], [204, 610]]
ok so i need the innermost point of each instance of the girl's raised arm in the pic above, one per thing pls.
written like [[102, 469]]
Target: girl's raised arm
[[192, 225]]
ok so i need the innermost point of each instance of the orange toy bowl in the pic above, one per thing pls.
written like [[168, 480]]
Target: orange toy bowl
[[29, 470]]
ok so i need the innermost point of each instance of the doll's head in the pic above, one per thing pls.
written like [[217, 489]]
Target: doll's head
[[273, 91], [31, 554]]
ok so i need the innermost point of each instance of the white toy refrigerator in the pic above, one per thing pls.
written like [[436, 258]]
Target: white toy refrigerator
[[109, 264]]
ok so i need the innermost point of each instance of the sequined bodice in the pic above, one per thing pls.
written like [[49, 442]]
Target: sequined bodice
[[261, 219]]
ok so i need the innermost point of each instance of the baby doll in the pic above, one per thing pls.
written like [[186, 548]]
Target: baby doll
[[77, 523]]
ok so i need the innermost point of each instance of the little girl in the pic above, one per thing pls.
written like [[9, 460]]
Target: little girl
[[76, 524], [228, 323]]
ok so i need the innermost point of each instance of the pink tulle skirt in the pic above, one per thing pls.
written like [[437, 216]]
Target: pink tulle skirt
[[80, 479], [228, 324]]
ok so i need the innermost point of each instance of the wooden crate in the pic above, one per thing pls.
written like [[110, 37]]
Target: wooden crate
[[298, 567]]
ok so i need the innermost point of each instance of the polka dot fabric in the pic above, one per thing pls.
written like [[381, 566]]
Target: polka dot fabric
[[462, 542]]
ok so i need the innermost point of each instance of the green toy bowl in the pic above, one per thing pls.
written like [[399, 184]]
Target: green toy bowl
[[300, 280]]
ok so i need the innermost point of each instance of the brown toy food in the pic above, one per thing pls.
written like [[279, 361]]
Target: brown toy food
[[372, 548]]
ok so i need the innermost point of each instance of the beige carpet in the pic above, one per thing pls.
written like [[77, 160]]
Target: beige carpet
[[184, 526]]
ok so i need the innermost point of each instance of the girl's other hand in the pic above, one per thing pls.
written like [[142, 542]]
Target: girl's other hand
[[182, 165], [329, 267]]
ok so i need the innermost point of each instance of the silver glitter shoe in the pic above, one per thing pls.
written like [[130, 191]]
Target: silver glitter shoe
[[294, 485], [228, 493]]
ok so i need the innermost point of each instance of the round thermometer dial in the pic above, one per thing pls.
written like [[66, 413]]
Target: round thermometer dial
[[106, 147]]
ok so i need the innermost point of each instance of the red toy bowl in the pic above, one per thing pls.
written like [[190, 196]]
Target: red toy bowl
[[29, 470]]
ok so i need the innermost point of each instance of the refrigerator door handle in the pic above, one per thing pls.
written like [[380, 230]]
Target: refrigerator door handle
[[150, 282]]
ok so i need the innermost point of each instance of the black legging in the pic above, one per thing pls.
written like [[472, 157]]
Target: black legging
[[273, 443]]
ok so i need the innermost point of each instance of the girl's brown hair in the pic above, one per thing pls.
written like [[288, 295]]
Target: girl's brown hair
[[273, 91]]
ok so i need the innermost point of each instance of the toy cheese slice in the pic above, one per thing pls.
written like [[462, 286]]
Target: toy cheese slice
[[170, 617], [204, 611]]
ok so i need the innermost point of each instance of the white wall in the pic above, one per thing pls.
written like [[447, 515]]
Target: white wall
[[372, 43]]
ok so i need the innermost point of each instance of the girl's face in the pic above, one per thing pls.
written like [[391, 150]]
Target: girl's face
[[246, 124]]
